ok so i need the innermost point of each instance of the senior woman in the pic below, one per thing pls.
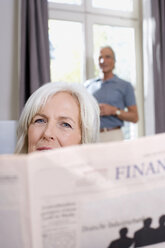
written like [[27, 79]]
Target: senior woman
[[58, 115]]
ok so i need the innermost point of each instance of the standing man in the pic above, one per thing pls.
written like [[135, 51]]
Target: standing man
[[115, 96]]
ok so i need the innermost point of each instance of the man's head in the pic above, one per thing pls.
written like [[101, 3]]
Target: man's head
[[147, 222], [123, 231], [107, 59]]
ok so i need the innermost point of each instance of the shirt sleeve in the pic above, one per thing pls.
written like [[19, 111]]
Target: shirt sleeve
[[130, 96]]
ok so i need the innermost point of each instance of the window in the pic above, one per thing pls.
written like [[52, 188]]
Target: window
[[121, 5], [78, 2], [77, 29], [66, 51]]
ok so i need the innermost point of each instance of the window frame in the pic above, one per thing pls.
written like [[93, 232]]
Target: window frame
[[114, 13]]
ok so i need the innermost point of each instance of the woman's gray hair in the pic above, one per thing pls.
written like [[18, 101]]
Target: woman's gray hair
[[89, 112]]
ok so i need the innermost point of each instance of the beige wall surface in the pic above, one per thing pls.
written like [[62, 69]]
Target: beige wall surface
[[9, 86]]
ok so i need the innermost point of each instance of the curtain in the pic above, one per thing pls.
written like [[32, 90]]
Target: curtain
[[158, 17], [35, 62]]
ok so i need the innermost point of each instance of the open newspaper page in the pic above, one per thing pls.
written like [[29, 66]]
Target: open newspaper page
[[14, 203], [100, 196]]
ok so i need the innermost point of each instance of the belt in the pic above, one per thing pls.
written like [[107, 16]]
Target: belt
[[105, 129]]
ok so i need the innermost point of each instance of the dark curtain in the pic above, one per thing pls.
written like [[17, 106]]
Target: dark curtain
[[158, 17], [35, 63]]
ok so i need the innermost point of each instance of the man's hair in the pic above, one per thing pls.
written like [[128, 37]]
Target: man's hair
[[110, 48]]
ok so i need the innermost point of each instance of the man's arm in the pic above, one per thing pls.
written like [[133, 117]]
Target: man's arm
[[130, 115]]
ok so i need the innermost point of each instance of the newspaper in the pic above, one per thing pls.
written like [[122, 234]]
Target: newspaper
[[107, 195]]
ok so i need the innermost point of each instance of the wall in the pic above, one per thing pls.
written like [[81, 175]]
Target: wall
[[9, 86]]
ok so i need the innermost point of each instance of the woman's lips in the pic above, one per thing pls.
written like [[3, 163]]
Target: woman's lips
[[44, 148]]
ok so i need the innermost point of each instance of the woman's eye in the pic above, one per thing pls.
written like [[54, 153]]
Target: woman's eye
[[39, 120], [66, 124]]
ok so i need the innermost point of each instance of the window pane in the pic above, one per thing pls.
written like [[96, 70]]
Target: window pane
[[122, 40], [77, 2], [121, 5], [66, 43]]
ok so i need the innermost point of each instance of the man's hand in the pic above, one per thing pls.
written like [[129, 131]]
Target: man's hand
[[130, 115], [106, 109]]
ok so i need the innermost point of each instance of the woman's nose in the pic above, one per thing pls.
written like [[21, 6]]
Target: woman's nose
[[50, 131]]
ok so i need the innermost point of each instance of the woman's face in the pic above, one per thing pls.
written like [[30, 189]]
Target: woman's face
[[57, 124]]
